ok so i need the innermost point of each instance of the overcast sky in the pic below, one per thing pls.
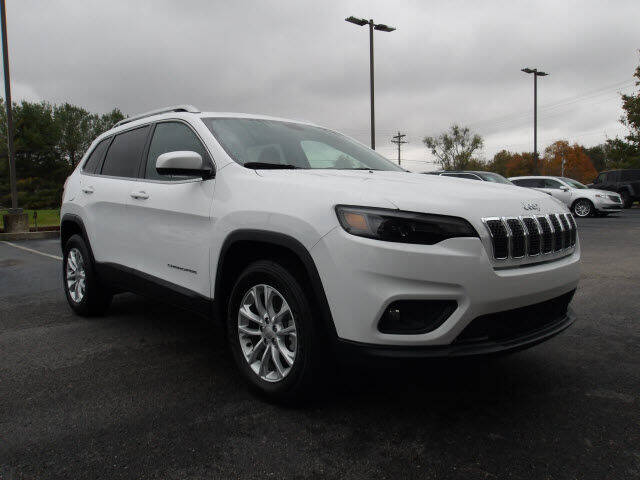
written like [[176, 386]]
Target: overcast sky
[[448, 61]]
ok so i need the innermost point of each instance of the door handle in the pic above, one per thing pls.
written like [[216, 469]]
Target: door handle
[[88, 189], [140, 195]]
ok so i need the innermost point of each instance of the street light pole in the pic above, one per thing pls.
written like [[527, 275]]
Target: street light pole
[[383, 28], [7, 92], [536, 74]]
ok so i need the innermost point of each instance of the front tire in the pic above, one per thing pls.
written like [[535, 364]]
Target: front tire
[[626, 199], [271, 331], [85, 294], [583, 208]]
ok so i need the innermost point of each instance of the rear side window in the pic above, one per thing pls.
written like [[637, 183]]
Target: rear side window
[[461, 175], [95, 157], [125, 152], [529, 182], [171, 137]]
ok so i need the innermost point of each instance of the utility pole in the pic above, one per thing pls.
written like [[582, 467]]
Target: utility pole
[[382, 28], [398, 140], [7, 98], [536, 74]]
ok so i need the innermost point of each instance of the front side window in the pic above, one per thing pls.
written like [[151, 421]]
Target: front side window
[[125, 152], [529, 182], [171, 137], [256, 143], [95, 158], [573, 183], [551, 183]]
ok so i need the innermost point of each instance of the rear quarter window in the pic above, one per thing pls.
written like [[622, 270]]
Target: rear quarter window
[[96, 156]]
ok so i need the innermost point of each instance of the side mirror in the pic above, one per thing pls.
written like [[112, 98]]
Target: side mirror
[[564, 189], [183, 163]]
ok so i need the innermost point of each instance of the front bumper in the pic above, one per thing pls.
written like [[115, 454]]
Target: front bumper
[[607, 206], [362, 277]]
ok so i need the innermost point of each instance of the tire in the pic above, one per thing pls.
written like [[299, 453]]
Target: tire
[[627, 201], [583, 208], [94, 299], [288, 382]]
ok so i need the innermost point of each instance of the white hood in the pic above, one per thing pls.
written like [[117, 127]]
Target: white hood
[[422, 193]]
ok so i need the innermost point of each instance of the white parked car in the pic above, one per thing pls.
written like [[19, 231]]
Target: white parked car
[[309, 245], [582, 200]]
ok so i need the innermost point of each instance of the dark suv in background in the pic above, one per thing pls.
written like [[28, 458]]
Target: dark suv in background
[[625, 182]]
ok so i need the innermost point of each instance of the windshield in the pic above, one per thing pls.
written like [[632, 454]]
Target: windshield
[[256, 143], [494, 177], [573, 183]]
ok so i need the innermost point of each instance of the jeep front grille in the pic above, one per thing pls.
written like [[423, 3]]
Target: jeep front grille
[[519, 237]]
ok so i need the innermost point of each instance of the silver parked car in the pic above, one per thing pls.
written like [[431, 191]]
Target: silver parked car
[[582, 200]]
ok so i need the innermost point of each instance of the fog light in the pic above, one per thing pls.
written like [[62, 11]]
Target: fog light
[[412, 317]]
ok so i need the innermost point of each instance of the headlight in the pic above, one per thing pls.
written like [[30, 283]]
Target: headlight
[[399, 226]]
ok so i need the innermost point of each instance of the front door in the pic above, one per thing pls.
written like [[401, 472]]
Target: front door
[[173, 214], [558, 190]]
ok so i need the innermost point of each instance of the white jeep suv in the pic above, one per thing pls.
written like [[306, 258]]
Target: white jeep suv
[[306, 243]]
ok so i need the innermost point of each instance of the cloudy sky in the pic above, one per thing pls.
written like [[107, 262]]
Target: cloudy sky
[[448, 61]]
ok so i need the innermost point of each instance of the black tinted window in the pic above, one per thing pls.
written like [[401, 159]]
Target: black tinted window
[[461, 175], [528, 182], [630, 175], [550, 183], [123, 157], [171, 137], [96, 156]]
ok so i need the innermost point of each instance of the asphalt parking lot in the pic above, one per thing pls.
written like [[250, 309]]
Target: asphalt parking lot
[[150, 392]]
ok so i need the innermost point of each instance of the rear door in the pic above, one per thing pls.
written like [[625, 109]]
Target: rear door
[[105, 191], [173, 225]]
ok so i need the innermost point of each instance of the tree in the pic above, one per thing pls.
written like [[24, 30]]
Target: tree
[[577, 164], [453, 148], [75, 132], [631, 117]]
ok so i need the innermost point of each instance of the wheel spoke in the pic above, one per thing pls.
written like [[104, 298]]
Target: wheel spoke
[[290, 330], [280, 315], [275, 356], [258, 301], [253, 356], [249, 331], [249, 315], [288, 356], [264, 361]]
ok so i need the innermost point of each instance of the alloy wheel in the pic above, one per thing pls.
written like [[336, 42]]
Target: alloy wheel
[[75, 275], [267, 333], [582, 208]]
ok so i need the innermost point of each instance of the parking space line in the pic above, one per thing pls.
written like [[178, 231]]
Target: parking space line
[[56, 257]]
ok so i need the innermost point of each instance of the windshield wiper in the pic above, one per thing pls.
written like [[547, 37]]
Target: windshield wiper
[[270, 166]]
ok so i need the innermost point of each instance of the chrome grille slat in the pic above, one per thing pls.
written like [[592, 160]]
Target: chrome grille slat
[[530, 236]]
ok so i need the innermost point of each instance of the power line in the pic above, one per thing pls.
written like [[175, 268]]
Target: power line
[[398, 140]]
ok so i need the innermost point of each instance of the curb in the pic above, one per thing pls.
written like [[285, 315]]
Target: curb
[[30, 235]]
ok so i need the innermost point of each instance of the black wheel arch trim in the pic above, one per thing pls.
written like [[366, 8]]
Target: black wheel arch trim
[[302, 253], [73, 218]]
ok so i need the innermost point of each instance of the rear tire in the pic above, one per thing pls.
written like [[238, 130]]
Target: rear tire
[[85, 294], [260, 333], [583, 208]]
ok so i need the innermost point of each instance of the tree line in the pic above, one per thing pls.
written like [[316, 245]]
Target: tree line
[[454, 149], [49, 140]]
